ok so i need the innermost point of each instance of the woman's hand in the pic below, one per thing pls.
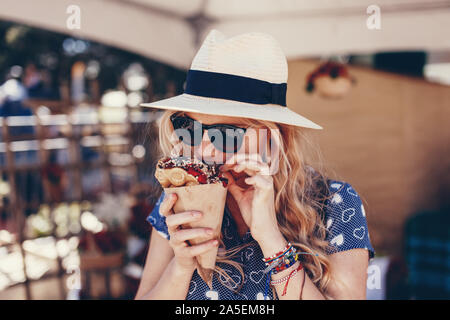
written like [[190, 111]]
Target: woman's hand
[[185, 254], [256, 201]]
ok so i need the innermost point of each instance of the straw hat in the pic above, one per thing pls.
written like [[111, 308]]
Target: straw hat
[[243, 76]]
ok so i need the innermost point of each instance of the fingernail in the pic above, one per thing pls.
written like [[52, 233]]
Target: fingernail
[[215, 242], [209, 231]]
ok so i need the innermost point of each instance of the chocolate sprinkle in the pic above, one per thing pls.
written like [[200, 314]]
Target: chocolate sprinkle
[[211, 172]]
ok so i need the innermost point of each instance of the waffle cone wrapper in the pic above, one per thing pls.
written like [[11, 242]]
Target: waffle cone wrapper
[[209, 199]]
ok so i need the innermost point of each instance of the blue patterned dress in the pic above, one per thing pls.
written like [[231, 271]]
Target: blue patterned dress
[[346, 224]]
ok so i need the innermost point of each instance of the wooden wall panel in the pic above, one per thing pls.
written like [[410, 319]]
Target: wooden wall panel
[[389, 138]]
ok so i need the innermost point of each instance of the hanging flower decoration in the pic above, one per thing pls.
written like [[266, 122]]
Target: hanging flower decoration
[[331, 80]]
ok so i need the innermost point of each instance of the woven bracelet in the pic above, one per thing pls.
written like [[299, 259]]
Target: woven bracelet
[[278, 254], [282, 262], [286, 278]]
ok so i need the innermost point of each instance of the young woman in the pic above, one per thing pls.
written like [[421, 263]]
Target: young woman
[[289, 234]]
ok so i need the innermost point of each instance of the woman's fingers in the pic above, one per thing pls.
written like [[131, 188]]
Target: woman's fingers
[[243, 157], [249, 163], [261, 182], [166, 206], [189, 234], [252, 167], [201, 248], [179, 237], [176, 219]]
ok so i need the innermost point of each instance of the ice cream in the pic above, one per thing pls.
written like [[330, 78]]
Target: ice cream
[[201, 187], [183, 171]]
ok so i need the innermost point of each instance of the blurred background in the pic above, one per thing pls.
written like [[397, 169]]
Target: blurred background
[[77, 152]]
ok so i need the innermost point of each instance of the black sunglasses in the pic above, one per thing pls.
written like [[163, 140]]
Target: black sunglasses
[[225, 137]]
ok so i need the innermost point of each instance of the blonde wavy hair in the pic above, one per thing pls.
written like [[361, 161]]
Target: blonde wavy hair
[[300, 192]]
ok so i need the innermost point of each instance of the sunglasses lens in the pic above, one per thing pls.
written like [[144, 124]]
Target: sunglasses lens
[[226, 139], [185, 130]]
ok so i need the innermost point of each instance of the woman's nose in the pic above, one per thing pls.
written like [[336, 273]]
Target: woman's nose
[[206, 145], [208, 151], [204, 149]]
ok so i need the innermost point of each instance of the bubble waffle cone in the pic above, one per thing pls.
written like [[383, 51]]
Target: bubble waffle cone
[[209, 199]]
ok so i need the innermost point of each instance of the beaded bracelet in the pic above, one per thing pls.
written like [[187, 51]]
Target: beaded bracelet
[[278, 254], [282, 262], [287, 278], [284, 279], [287, 262]]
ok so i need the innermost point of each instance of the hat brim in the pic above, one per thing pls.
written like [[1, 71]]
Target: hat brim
[[221, 107]]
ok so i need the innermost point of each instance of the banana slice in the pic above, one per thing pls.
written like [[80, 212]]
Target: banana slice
[[177, 176], [161, 175], [191, 180], [174, 177]]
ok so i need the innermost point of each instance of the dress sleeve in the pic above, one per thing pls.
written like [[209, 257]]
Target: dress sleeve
[[345, 220], [157, 220]]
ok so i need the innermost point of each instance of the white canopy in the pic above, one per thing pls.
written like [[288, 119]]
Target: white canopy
[[170, 31]]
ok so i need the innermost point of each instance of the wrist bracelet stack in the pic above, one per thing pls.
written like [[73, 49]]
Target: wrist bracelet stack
[[281, 261], [286, 278]]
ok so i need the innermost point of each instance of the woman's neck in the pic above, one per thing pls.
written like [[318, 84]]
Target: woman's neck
[[233, 207]]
